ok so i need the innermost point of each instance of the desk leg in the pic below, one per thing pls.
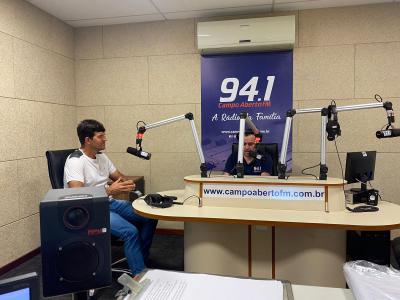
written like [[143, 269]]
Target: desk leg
[[273, 252], [249, 259]]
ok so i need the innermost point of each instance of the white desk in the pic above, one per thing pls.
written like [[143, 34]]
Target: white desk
[[387, 218], [304, 247]]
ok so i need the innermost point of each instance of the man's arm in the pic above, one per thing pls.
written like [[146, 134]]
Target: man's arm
[[120, 184], [115, 188], [75, 184], [266, 168], [116, 175]]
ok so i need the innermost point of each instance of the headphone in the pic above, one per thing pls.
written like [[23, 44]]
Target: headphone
[[333, 126], [157, 200]]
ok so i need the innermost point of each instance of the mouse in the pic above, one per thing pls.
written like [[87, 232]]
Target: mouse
[[364, 208]]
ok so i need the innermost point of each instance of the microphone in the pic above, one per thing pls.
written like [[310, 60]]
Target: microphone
[[388, 133], [139, 153], [333, 126]]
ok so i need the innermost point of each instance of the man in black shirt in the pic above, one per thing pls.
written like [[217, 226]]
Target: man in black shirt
[[252, 166]]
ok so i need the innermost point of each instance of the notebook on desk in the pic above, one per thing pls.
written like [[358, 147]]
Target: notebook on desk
[[169, 285]]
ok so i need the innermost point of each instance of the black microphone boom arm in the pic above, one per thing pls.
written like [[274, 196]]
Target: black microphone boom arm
[[188, 116], [324, 120]]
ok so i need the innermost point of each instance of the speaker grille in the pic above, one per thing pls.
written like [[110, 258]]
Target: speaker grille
[[77, 262], [76, 217]]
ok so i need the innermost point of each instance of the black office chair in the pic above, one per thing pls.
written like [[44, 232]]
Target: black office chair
[[270, 149], [55, 162]]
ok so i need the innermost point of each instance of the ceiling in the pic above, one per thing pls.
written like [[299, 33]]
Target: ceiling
[[80, 13]]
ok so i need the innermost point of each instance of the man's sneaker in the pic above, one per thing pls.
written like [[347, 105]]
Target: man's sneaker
[[122, 293]]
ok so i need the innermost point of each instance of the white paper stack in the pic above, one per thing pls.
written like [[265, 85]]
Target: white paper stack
[[167, 285]]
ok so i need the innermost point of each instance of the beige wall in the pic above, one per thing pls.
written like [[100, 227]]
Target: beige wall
[[150, 71], [37, 113]]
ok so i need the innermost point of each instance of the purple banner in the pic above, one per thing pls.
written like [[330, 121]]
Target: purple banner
[[260, 84]]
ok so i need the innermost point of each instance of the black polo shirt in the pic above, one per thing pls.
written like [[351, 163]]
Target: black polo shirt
[[256, 167]]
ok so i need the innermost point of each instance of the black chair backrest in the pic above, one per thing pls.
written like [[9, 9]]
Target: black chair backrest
[[270, 149], [55, 163]]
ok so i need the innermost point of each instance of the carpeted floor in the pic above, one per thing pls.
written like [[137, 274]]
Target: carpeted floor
[[166, 253]]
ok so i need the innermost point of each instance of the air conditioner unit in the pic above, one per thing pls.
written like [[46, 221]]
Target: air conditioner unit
[[246, 35]]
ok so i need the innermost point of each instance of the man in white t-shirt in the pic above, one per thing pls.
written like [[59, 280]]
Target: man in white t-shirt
[[87, 166]]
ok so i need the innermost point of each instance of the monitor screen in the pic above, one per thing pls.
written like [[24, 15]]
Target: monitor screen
[[22, 294], [360, 166], [23, 287]]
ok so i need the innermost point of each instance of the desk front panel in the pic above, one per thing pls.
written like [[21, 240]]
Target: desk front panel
[[302, 256]]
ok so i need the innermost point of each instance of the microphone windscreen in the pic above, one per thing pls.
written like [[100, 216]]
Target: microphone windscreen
[[379, 134], [138, 153], [132, 151]]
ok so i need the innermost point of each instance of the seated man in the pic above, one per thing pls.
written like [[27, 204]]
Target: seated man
[[252, 165], [87, 166]]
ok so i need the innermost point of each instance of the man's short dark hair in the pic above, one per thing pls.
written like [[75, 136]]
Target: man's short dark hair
[[246, 133], [88, 128]]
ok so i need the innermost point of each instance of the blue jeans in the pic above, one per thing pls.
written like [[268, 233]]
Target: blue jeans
[[136, 232]]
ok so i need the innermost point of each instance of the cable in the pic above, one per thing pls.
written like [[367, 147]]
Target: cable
[[309, 174], [212, 166], [341, 170], [341, 166], [378, 98], [137, 124], [184, 200]]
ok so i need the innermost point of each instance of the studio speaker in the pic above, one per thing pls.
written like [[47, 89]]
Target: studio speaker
[[75, 240]]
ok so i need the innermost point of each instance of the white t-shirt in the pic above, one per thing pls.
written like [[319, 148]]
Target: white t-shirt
[[92, 172]]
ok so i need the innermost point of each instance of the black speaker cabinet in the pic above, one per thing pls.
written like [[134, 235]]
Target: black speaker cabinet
[[373, 246], [75, 240]]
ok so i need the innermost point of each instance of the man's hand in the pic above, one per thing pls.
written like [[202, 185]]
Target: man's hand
[[119, 186]]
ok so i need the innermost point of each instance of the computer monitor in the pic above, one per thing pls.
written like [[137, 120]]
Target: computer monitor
[[360, 167], [23, 287]]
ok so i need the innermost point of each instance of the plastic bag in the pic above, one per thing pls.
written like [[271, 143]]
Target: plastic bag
[[369, 281]]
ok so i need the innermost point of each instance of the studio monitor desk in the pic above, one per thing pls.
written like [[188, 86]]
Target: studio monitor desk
[[304, 247]]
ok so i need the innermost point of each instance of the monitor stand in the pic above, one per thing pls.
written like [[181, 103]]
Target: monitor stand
[[362, 189]]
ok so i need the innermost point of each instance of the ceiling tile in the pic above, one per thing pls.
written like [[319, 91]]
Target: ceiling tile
[[168, 6], [282, 5], [219, 12], [113, 21], [90, 9], [105, 12]]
